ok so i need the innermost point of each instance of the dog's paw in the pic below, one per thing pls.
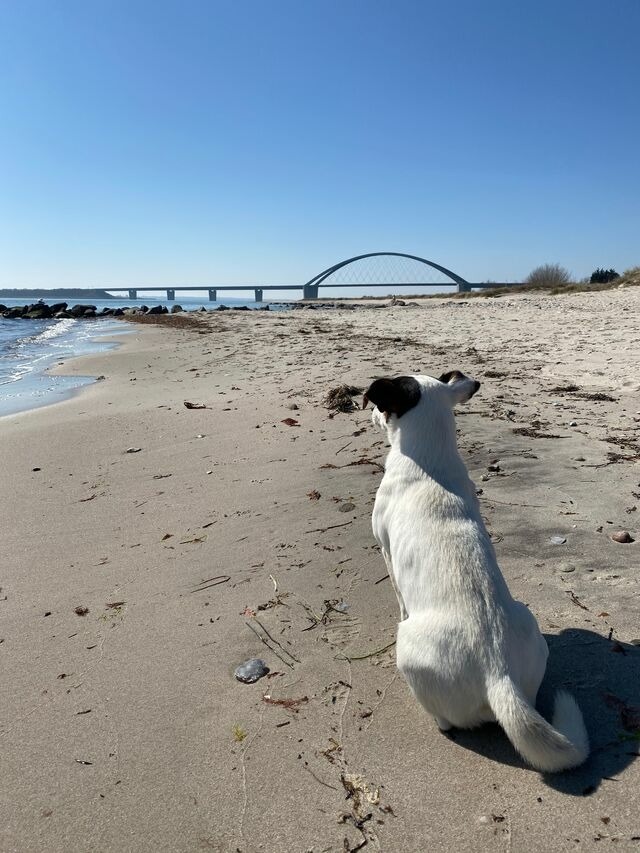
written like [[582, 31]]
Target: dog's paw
[[445, 727]]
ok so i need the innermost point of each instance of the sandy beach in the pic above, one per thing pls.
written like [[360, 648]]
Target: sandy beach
[[151, 548]]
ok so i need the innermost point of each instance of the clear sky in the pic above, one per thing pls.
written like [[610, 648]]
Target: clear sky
[[259, 141]]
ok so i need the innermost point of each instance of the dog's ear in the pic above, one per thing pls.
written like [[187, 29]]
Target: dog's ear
[[462, 387], [393, 396]]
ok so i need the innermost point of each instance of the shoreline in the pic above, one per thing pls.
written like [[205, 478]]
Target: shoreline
[[100, 342], [177, 529]]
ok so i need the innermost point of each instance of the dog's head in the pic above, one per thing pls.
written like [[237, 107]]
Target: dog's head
[[393, 398]]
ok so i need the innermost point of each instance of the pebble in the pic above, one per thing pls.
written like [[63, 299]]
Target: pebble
[[622, 536], [346, 507], [573, 423], [558, 540], [566, 569], [493, 467], [251, 670]]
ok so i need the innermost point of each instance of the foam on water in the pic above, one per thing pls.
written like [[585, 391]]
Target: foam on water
[[26, 358], [29, 348]]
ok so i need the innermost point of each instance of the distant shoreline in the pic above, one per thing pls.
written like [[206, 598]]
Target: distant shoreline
[[59, 293]]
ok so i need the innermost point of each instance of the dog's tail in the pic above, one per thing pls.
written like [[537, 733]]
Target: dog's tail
[[546, 747]]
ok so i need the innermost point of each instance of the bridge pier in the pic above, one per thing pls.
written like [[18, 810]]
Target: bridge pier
[[258, 294], [464, 287], [133, 294], [213, 295], [171, 295], [310, 291]]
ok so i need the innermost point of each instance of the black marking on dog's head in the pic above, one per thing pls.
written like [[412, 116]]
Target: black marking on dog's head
[[393, 396], [454, 376], [451, 376]]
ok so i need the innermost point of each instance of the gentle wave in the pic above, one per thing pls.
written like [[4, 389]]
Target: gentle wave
[[26, 358]]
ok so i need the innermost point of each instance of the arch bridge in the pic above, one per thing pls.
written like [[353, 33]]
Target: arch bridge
[[388, 276], [370, 270]]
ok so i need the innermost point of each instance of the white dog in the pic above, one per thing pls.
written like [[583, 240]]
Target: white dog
[[470, 653]]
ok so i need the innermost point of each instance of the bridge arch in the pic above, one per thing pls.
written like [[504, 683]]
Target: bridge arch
[[311, 286]]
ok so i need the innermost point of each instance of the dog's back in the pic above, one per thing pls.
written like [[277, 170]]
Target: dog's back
[[470, 653]]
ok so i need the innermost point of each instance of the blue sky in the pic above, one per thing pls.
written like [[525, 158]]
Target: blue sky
[[259, 142]]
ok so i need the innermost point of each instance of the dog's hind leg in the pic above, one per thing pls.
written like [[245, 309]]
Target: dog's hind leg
[[443, 725], [387, 560]]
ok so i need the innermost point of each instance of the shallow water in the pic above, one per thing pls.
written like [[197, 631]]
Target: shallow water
[[29, 348]]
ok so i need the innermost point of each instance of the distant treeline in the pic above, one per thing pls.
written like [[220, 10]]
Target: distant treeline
[[59, 293]]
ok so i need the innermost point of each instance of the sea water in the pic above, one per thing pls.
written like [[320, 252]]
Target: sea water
[[29, 348]]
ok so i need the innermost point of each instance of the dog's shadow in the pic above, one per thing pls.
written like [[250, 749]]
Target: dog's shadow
[[604, 677]]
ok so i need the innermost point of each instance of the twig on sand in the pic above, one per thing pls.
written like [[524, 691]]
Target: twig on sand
[[275, 643], [326, 784], [275, 583], [262, 640], [575, 599], [511, 503], [297, 660], [369, 654], [330, 527], [381, 579], [212, 582], [320, 620], [344, 448]]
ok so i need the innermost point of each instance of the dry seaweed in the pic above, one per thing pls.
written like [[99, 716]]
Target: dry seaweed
[[339, 399]]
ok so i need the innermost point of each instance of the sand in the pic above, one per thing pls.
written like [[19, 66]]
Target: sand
[[124, 729]]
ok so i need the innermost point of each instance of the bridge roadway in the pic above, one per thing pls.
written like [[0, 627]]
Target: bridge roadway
[[309, 291]]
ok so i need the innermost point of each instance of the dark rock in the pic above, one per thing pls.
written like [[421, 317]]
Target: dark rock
[[58, 306], [251, 670], [38, 313], [117, 312], [82, 310], [176, 309], [157, 309], [222, 308]]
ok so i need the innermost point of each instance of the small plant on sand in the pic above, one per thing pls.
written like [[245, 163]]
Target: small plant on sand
[[239, 733], [548, 275]]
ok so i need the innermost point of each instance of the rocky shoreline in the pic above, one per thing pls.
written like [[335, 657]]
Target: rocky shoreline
[[61, 310]]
